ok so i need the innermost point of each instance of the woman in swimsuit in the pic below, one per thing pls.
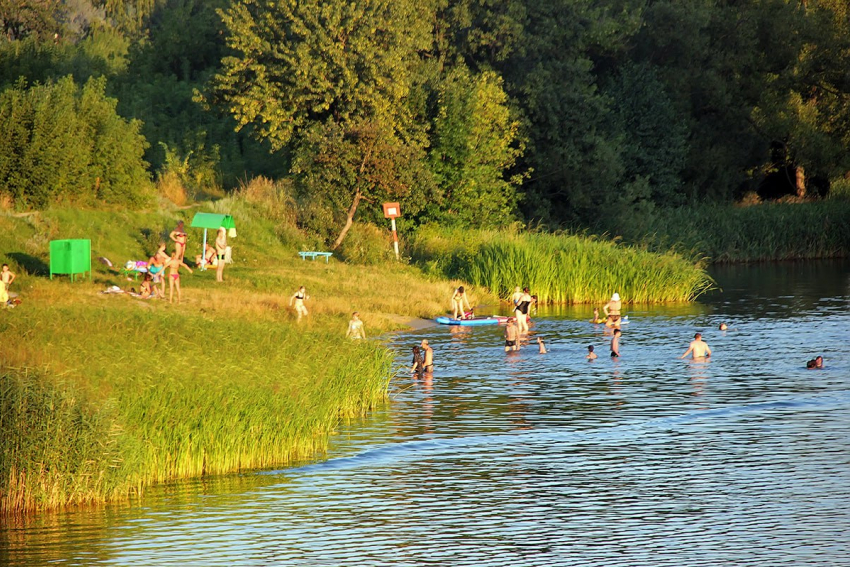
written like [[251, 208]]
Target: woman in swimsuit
[[612, 311], [178, 235], [418, 362], [174, 265], [156, 268], [355, 327], [299, 297], [458, 299]]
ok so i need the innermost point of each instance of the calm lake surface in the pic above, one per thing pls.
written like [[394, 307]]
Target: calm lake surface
[[538, 460]]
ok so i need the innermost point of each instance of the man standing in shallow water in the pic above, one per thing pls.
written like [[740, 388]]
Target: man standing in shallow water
[[428, 355], [698, 347]]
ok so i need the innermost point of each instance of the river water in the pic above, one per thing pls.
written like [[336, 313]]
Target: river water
[[538, 460]]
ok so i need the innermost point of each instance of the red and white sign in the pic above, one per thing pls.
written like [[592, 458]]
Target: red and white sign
[[392, 210]]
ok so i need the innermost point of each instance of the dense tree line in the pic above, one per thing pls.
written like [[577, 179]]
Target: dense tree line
[[471, 112]]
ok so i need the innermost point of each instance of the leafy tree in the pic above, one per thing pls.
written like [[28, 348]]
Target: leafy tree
[[476, 140], [23, 18], [68, 143], [326, 74]]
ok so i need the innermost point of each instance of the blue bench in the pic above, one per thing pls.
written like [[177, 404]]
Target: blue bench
[[305, 255]]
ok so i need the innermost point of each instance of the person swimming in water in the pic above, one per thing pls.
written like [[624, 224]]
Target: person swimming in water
[[590, 354], [541, 345], [699, 348], [816, 362], [596, 320], [723, 326]]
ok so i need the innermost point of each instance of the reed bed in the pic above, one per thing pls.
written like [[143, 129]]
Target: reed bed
[[135, 398], [563, 268], [761, 232]]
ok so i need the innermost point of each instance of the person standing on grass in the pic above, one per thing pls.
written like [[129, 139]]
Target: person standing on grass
[[220, 250], [299, 297], [612, 311], [699, 348], [511, 336], [428, 357], [156, 268], [7, 276], [615, 344], [178, 235], [458, 299], [355, 327], [174, 265]]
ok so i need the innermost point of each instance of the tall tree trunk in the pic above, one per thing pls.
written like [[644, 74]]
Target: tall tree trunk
[[357, 196], [349, 220], [801, 181]]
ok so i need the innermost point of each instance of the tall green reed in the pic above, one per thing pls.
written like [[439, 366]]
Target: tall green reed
[[563, 268]]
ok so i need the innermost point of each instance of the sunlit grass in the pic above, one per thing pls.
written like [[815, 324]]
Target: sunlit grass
[[562, 268]]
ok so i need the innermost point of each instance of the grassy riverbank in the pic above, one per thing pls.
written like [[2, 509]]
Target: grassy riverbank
[[102, 395], [560, 268]]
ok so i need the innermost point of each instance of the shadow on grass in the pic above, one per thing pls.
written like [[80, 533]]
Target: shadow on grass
[[32, 265]]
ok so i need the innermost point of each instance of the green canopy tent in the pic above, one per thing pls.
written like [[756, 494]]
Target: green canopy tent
[[210, 221]]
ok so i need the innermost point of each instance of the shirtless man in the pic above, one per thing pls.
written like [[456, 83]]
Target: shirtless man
[[178, 235], [220, 249], [173, 265], [615, 344], [612, 311], [428, 355], [590, 354], [511, 336], [699, 348]]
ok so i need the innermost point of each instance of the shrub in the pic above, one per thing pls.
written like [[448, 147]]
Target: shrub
[[367, 244]]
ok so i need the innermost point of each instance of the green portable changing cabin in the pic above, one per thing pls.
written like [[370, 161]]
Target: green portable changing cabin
[[210, 221], [70, 257]]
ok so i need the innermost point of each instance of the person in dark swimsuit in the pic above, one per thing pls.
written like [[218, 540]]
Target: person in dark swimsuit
[[615, 344], [418, 363]]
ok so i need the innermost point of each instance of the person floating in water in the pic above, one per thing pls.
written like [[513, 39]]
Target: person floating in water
[[615, 344], [590, 354], [541, 345], [511, 336], [723, 326], [355, 327], [698, 347], [458, 299], [428, 356], [596, 320], [816, 362], [612, 311]]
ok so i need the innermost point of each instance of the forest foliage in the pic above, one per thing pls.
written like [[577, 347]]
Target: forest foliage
[[471, 113]]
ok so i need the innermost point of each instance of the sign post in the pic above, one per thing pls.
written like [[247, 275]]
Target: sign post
[[391, 211]]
